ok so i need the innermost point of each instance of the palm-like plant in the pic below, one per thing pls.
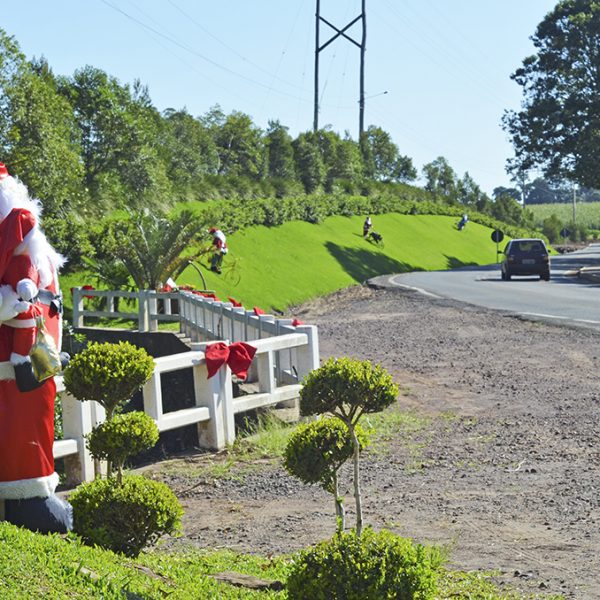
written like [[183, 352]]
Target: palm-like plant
[[155, 247]]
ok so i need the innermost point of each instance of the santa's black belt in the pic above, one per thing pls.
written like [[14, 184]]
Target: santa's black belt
[[54, 301]]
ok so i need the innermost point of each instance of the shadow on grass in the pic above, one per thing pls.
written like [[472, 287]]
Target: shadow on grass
[[455, 263], [362, 264]]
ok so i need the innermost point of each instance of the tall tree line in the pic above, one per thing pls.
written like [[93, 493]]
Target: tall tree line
[[90, 143]]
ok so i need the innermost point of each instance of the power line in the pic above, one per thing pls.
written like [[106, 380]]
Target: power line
[[194, 52], [230, 48]]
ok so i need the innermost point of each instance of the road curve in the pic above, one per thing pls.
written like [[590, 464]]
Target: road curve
[[565, 299]]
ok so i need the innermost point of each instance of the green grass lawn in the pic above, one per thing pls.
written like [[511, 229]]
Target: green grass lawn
[[274, 268], [52, 566]]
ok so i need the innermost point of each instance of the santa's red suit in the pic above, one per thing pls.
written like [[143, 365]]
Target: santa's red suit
[[28, 289]]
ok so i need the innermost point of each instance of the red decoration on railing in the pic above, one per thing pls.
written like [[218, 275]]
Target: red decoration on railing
[[235, 303], [85, 287], [238, 357], [258, 311], [297, 322]]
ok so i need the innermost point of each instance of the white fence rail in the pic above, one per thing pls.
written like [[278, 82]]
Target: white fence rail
[[284, 355]]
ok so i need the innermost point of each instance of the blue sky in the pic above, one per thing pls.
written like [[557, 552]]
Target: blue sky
[[445, 64]]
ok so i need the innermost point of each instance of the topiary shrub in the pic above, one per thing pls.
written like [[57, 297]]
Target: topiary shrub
[[125, 517], [347, 389], [108, 373], [372, 566], [121, 437], [316, 451]]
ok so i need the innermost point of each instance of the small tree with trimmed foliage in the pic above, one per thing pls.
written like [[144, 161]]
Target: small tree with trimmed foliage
[[316, 451], [109, 374], [348, 389], [123, 513]]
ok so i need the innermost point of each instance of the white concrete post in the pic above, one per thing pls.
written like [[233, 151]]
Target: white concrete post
[[143, 319], [216, 394], [265, 364], [77, 307], [152, 308], [237, 324], [152, 394], [308, 356], [77, 422]]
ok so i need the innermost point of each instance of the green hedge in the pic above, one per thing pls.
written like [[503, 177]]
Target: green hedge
[[233, 215]]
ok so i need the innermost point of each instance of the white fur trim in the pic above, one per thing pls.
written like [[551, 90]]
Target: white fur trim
[[37, 487], [7, 371], [19, 359], [8, 303], [26, 289], [20, 323]]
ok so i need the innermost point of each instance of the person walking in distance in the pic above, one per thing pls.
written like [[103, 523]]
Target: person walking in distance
[[367, 225], [219, 249]]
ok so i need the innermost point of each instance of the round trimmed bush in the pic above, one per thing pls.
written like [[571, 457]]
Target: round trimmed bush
[[108, 373], [122, 436], [346, 387], [316, 450], [125, 517], [373, 566]]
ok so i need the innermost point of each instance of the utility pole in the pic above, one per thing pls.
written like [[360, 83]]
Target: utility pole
[[574, 204], [362, 46]]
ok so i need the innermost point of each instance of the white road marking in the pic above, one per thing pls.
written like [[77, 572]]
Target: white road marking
[[414, 289]]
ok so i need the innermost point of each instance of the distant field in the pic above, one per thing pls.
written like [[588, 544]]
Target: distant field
[[586, 213]]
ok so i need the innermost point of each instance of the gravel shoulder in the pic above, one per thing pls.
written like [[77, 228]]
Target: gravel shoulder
[[505, 475]]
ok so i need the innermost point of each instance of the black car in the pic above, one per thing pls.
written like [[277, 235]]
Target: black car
[[526, 257]]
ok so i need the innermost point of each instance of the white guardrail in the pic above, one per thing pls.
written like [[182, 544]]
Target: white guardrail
[[284, 355]]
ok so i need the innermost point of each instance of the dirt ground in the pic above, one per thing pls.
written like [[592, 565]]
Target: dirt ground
[[506, 476]]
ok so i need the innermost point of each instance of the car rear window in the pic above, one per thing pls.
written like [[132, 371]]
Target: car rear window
[[528, 247]]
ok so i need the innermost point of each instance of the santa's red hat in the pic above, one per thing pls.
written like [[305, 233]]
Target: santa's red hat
[[3, 171], [13, 230]]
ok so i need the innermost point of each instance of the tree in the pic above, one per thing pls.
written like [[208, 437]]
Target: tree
[[504, 191], [382, 158], [507, 209], [539, 191], [347, 389], [120, 134], [152, 246], [440, 178], [188, 148], [469, 193], [315, 453], [346, 163], [41, 144], [38, 136], [558, 126], [280, 153], [309, 164], [239, 143]]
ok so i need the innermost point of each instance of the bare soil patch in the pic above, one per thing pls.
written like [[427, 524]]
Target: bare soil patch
[[506, 475]]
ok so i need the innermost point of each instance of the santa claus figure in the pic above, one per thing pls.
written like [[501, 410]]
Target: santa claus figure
[[29, 296]]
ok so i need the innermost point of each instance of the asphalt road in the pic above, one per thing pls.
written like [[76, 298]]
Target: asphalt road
[[565, 298]]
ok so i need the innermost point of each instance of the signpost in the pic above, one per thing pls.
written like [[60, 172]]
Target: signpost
[[497, 236]]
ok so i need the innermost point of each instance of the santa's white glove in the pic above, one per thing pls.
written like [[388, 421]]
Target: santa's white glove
[[27, 290], [10, 304]]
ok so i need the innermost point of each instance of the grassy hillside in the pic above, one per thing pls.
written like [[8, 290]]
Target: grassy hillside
[[277, 267]]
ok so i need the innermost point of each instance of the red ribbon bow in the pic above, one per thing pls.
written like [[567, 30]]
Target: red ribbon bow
[[238, 357]]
